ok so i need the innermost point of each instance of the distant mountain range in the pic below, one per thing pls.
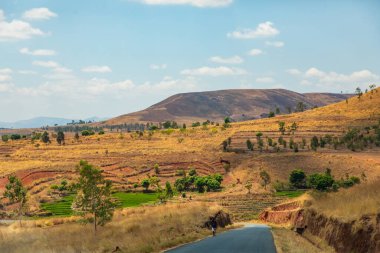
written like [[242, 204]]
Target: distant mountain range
[[44, 121], [239, 104]]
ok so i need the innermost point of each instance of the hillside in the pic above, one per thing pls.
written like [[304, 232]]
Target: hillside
[[42, 121], [241, 104]]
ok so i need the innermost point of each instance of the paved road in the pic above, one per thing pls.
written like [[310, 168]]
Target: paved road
[[249, 239]]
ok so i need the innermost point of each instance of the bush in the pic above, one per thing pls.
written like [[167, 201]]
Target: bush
[[15, 137], [87, 132], [4, 138], [297, 178], [321, 182], [101, 132]]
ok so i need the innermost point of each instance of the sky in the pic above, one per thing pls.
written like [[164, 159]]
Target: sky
[[78, 59]]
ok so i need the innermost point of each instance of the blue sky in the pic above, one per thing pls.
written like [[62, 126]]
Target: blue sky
[[77, 59]]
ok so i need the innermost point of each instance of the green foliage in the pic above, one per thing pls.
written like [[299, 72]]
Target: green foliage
[[227, 120], [271, 114], [15, 192], [289, 194], [199, 183], [314, 143], [321, 182], [192, 172], [281, 127], [157, 168], [196, 124], [145, 184], [61, 207], [45, 137], [4, 138], [87, 132], [94, 194], [250, 145], [265, 177], [168, 190], [300, 107], [297, 178], [101, 132], [60, 137], [15, 137]]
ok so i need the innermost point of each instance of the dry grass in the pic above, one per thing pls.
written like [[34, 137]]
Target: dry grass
[[350, 204], [287, 241], [146, 229]]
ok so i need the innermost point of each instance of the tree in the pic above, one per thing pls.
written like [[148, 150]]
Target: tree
[[320, 182], [168, 190], [300, 107], [314, 143], [358, 92], [281, 127], [76, 136], [248, 186], [372, 87], [94, 195], [265, 178], [145, 184], [192, 172], [212, 184], [60, 137], [155, 181], [157, 168], [271, 114], [200, 184], [16, 193], [297, 178], [277, 110], [249, 145], [225, 145], [45, 137], [4, 138], [227, 120], [293, 127]]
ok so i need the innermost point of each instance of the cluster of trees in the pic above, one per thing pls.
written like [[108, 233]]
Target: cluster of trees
[[13, 137], [318, 181], [194, 182]]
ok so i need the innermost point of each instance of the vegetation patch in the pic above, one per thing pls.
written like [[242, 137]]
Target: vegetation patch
[[134, 199], [290, 194], [61, 207]]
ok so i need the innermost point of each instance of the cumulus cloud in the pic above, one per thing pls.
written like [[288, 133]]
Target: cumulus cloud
[[295, 72], [39, 14], [230, 60], [195, 3], [27, 72], [275, 43], [46, 64], [37, 52], [158, 66], [96, 69], [5, 75], [16, 29], [211, 71], [316, 77], [263, 30], [255, 52], [265, 80]]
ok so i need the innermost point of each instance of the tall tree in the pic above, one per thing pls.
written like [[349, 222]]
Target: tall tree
[[265, 177], [15, 192], [94, 195], [45, 137], [60, 137]]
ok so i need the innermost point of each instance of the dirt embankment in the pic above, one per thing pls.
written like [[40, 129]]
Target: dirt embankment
[[359, 236]]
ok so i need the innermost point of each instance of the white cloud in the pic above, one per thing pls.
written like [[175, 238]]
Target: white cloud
[[4, 87], [263, 30], [27, 72], [265, 80], [5, 74], [322, 79], [196, 3], [275, 43], [38, 52], [294, 72], [39, 14], [16, 29], [255, 52], [97, 69], [46, 64], [210, 71], [231, 60], [158, 66]]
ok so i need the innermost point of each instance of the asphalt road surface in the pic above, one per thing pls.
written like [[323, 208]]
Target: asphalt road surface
[[249, 239]]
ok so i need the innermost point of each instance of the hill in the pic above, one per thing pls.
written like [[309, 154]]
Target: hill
[[240, 104], [42, 121]]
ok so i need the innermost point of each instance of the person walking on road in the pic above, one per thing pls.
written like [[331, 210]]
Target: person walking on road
[[213, 226]]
